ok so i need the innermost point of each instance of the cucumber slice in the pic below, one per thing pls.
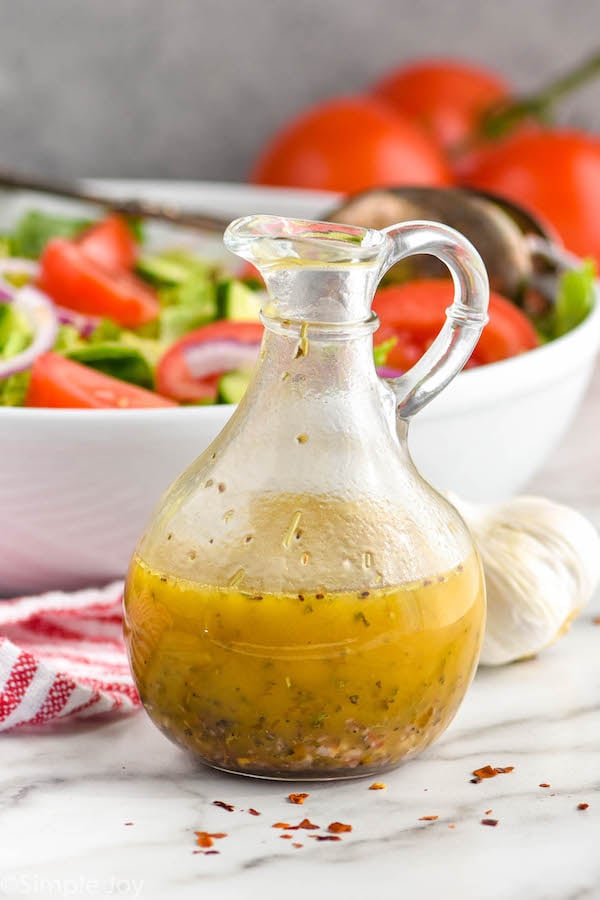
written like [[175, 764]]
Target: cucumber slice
[[173, 267], [238, 302], [232, 386], [162, 270], [126, 363]]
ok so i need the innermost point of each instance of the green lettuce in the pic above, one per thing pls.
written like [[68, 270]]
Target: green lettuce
[[575, 298], [13, 389], [574, 301], [175, 321], [33, 231], [15, 336], [67, 339], [15, 333]]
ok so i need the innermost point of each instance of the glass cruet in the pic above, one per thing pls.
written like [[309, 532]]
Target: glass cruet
[[303, 604]]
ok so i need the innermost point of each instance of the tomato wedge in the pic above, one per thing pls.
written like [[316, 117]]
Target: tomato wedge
[[78, 282], [110, 244], [59, 382], [414, 313], [190, 369]]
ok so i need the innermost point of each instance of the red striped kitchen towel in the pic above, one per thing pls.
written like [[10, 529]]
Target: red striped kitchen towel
[[61, 656]]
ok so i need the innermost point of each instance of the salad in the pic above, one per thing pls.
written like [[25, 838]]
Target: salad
[[89, 318]]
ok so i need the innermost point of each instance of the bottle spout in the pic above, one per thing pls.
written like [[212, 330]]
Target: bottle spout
[[319, 272], [270, 241]]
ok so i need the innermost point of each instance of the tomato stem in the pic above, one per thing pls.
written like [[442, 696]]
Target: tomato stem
[[539, 105]]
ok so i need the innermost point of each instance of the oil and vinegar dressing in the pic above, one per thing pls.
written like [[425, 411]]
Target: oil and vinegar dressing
[[304, 685]]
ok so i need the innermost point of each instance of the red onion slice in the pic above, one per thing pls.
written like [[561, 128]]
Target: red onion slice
[[212, 357], [16, 265], [84, 324], [41, 316], [387, 372]]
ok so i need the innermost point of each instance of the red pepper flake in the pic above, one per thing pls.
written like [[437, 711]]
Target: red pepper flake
[[226, 806], [253, 812], [205, 838], [490, 772], [306, 823], [492, 822], [297, 845], [377, 786], [544, 784], [325, 837], [128, 823], [298, 798], [452, 825], [287, 837], [488, 812], [428, 818], [583, 806], [337, 827], [211, 852]]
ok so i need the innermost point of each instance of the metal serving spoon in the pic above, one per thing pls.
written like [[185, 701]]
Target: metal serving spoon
[[497, 227], [138, 209]]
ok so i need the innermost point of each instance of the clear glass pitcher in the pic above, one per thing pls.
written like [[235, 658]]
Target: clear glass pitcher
[[303, 604]]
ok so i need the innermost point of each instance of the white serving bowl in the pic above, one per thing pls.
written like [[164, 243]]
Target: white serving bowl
[[77, 486]]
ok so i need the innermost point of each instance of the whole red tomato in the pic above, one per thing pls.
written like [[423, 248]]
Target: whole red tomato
[[445, 97], [553, 173], [350, 144]]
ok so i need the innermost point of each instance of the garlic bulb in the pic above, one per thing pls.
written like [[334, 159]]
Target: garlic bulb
[[541, 562]]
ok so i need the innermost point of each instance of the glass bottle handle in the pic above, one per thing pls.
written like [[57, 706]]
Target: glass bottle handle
[[464, 319]]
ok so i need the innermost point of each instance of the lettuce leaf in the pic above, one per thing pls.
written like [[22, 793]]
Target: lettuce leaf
[[14, 389], [33, 231], [175, 321], [67, 339], [106, 330], [574, 301], [575, 298], [15, 334]]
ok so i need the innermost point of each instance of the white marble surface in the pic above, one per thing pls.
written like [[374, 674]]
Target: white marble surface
[[66, 795]]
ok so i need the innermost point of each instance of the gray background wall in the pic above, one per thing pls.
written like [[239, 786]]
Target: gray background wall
[[190, 88]]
